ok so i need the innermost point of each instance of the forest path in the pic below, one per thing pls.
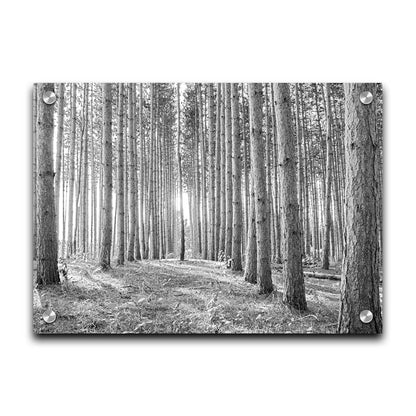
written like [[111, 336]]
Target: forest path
[[173, 297]]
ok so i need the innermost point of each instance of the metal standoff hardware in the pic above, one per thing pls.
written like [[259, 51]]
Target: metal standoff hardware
[[366, 316], [366, 97], [49, 316], [49, 97]]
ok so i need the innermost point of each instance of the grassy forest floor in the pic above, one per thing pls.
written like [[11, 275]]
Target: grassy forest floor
[[173, 297]]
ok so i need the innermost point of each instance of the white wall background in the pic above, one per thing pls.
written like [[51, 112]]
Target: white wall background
[[207, 41]]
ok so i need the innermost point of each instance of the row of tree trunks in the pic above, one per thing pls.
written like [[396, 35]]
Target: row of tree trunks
[[291, 195]]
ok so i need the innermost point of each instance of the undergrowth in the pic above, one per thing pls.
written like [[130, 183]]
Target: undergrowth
[[173, 297]]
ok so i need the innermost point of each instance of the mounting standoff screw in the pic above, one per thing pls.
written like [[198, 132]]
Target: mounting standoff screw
[[49, 97], [366, 97], [366, 316]]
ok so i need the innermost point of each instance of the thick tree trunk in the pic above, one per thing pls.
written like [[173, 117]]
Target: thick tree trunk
[[236, 176], [34, 167], [293, 281], [106, 225], [262, 214], [360, 268], [246, 156], [47, 243]]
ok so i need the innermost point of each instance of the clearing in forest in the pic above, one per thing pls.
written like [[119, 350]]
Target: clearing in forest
[[173, 297]]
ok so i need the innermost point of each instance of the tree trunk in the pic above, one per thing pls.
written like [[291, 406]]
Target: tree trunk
[[277, 208], [204, 222], [58, 152], [293, 281], [178, 156], [106, 225], [34, 167], [250, 269], [70, 210], [246, 146], [218, 152], [211, 135], [84, 199], [327, 208], [137, 249], [47, 243], [229, 175], [132, 173], [299, 164], [143, 242], [223, 206], [268, 165], [236, 176], [360, 268], [262, 214], [306, 156], [120, 177]]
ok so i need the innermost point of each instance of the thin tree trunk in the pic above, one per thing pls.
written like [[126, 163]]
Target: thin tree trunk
[[276, 182], [299, 164], [137, 249], [212, 149], [307, 229], [236, 176], [218, 153], [105, 248], [178, 157], [58, 152], [229, 175], [84, 199], [204, 222], [223, 186], [132, 173], [120, 177], [329, 155], [71, 172], [143, 243], [250, 269]]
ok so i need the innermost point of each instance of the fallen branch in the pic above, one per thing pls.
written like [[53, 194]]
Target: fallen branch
[[316, 275]]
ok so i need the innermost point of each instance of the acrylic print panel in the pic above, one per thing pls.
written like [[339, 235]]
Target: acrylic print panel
[[207, 208]]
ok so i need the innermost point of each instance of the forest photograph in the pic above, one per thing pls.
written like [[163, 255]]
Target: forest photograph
[[207, 208]]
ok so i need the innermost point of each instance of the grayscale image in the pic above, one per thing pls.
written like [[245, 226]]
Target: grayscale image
[[207, 208]]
